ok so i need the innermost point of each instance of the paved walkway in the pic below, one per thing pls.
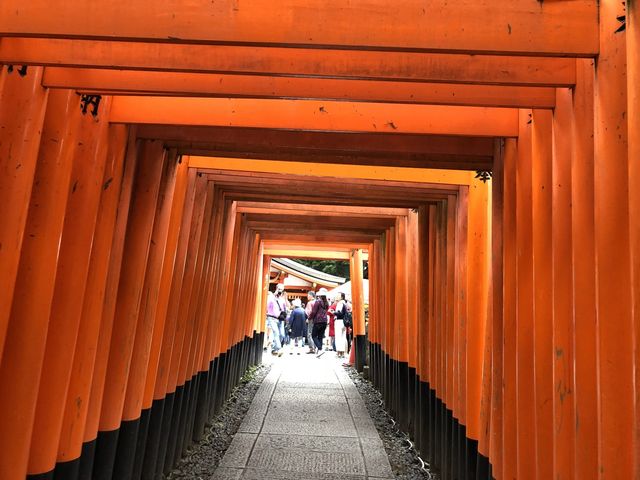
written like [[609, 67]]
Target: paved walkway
[[307, 421]]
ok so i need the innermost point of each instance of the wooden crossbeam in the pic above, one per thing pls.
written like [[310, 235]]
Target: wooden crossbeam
[[118, 82], [313, 219], [271, 208], [429, 160], [316, 115], [474, 26], [338, 143], [373, 149], [299, 62], [291, 252]]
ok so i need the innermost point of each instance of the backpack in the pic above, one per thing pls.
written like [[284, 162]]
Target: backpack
[[348, 318]]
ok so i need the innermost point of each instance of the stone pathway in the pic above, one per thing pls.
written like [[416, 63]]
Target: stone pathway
[[307, 421]]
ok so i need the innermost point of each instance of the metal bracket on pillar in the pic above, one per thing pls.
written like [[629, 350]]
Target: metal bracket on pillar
[[93, 101], [22, 71], [484, 175]]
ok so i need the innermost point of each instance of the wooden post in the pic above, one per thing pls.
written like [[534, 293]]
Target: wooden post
[[357, 299], [74, 254], [562, 283], [525, 355], [541, 170], [136, 250], [28, 323], [633, 117], [77, 402], [584, 273], [22, 108], [613, 281], [509, 313]]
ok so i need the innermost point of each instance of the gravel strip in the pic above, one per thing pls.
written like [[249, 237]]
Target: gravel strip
[[403, 459], [203, 457]]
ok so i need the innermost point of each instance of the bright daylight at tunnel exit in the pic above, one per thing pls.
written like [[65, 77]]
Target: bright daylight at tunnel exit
[[316, 240]]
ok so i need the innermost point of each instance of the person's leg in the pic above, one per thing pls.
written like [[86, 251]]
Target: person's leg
[[281, 332], [317, 339], [310, 340], [275, 333]]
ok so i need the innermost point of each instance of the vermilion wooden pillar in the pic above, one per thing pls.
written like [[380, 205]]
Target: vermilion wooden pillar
[[164, 326], [140, 224], [525, 354], [77, 401], [542, 290], [74, 254], [584, 273], [22, 108], [613, 281], [496, 302], [476, 287], [562, 283], [22, 359], [509, 314], [633, 116], [175, 381], [163, 398], [108, 307], [132, 422]]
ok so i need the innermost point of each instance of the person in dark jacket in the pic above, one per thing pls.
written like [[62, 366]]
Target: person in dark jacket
[[297, 323], [319, 317]]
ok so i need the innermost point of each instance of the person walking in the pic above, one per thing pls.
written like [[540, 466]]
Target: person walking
[[311, 298], [297, 322], [339, 327], [331, 314], [348, 323], [319, 319], [276, 311]]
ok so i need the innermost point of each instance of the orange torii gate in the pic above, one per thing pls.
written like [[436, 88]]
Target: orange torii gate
[[504, 315]]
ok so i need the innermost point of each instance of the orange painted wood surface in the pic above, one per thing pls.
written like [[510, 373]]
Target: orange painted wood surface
[[569, 28]]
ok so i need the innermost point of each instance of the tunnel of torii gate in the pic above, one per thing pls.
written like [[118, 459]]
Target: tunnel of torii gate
[[485, 156]]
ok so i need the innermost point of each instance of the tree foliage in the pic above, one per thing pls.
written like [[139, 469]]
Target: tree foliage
[[339, 268]]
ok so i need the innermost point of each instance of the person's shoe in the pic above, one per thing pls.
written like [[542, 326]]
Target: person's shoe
[[320, 353], [290, 353]]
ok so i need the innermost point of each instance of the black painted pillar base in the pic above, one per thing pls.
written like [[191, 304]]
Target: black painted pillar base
[[105, 457], [154, 434], [360, 344], [126, 449]]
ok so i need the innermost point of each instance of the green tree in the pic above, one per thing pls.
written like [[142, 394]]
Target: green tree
[[339, 268]]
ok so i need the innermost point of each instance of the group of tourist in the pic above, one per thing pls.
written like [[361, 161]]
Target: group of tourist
[[306, 326]]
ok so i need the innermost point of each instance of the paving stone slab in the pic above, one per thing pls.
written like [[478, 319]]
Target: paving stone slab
[[252, 423], [302, 411], [365, 429], [262, 474], [375, 458], [224, 473], [308, 443], [238, 452], [305, 385], [325, 428], [311, 462]]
